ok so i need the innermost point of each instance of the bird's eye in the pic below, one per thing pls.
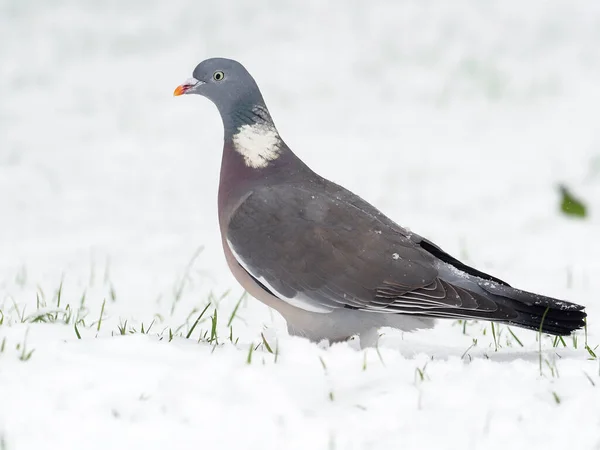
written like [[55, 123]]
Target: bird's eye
[[218, 75]]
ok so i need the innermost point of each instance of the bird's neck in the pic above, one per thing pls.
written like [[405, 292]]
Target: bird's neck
[[249, 112], [249, 109], [254, 154], [250, 131]]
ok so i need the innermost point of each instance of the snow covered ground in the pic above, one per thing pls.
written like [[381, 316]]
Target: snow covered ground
[[457, 119]]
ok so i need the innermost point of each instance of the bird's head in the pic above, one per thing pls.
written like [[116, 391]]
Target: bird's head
[[223, 81]]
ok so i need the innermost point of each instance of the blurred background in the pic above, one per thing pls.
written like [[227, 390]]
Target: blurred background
[[458, 120]]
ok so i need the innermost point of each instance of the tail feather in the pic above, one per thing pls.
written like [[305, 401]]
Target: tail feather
[[535, 312]]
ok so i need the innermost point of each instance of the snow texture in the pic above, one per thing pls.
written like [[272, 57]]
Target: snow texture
[[456, 119]]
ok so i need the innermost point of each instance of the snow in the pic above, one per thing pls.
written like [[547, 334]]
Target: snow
[[457, 119]]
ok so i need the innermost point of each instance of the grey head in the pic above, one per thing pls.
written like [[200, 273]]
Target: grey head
[[232, 89]]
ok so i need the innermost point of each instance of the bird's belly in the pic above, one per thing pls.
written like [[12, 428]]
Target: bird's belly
[[341, 324]]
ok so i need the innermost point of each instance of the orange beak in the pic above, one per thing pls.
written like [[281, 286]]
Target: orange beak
[[180, 90], [186, 86]]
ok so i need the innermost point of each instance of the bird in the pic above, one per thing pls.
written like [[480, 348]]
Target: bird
[[329, 262]]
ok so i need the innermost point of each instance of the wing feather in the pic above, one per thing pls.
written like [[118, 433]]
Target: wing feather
[[326, 248]]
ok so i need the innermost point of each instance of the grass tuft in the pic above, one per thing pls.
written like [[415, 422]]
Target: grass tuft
[[147, 330], [559, 340], [122, 327], [25, 354], [591, 352], [420, 373]]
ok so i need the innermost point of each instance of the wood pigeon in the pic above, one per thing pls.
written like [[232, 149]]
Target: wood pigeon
[[328, 261]]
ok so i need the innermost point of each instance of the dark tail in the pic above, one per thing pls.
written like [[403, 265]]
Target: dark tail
[[556, 317]]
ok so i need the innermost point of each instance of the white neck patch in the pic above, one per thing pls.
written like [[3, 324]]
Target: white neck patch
[[258, 144]]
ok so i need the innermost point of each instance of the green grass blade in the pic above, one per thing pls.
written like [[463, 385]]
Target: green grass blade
[[515, 337], [59, 292], [570, 205], [213, 327], [235, 309], [590, 379], [266, 344], [193, 326], [250, 351], [591, 352], [101, 314], [540, 339]]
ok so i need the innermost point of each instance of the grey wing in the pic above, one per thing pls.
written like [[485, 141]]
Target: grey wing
[[316, 250]]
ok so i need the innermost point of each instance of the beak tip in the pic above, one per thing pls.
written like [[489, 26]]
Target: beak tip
[[179, 90]]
